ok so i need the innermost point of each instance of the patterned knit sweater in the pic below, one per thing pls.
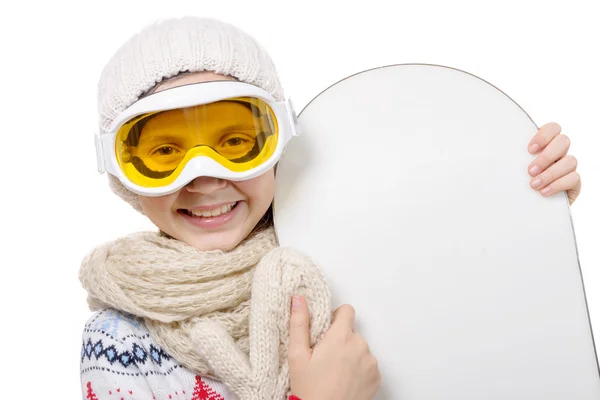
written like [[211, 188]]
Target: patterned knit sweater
[[119, 361]]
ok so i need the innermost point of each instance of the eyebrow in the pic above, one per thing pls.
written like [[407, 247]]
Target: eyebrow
[[170, 138], [162, 138], [237, 126], [133, 137]]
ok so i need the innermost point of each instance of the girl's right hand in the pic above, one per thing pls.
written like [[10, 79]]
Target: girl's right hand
[[339, 367]]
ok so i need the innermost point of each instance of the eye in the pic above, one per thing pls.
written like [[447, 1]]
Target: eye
[[235, 141], [164, 151]]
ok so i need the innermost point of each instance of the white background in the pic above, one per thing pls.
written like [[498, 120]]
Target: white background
[[543, 54]]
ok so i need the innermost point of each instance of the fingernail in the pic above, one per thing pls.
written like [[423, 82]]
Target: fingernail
[[534, 148], [536, 182], [545, 191], [296, 302], [534, 169]]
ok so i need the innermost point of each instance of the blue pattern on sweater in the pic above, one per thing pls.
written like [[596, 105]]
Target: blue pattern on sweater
[[120, 340]]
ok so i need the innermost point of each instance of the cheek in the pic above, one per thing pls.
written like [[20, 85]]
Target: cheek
[[157, 208], [260, 190]]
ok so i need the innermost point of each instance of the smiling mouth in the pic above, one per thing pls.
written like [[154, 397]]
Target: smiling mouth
[[215, 212]]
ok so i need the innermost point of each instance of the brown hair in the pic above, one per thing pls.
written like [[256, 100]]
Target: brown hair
[[265, 222]]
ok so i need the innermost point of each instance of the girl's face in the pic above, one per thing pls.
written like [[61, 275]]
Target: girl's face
[[210, 213]]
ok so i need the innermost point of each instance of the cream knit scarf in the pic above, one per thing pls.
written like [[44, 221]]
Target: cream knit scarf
[[223, 315]]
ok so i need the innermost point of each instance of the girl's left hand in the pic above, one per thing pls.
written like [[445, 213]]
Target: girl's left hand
[[553, 170]]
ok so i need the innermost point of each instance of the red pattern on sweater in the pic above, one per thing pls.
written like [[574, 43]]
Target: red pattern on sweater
[[204, 392], [90, 392], [201, 392]]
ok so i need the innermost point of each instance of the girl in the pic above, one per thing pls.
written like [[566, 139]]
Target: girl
[[192, 124]]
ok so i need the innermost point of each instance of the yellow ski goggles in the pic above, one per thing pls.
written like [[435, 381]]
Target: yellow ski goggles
[[227, 130]]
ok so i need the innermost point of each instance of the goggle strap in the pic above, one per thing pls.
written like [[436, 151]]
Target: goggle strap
[[293, 117], [99, 153]]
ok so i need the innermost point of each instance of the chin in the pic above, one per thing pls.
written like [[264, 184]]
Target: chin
[[224, 241]]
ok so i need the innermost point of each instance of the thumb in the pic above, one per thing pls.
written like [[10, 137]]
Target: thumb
[[299, 351]]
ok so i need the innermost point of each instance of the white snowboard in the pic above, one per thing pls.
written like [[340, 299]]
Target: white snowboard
[[409, 187]]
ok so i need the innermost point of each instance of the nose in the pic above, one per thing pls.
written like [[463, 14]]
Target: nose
[[205, 185]]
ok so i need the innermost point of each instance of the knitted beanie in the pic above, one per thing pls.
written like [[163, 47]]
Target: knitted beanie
[[168, 48]]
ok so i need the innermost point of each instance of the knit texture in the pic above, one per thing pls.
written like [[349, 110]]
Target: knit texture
[[120, 360], [167, 48], [223, 315]]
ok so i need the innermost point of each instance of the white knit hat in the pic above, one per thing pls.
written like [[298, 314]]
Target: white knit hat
[[167, 48]]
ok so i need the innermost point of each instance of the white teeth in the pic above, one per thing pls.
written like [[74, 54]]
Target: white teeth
[[213, 213]]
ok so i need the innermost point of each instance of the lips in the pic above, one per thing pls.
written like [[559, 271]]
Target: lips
[[211, 212], [214, 216]]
